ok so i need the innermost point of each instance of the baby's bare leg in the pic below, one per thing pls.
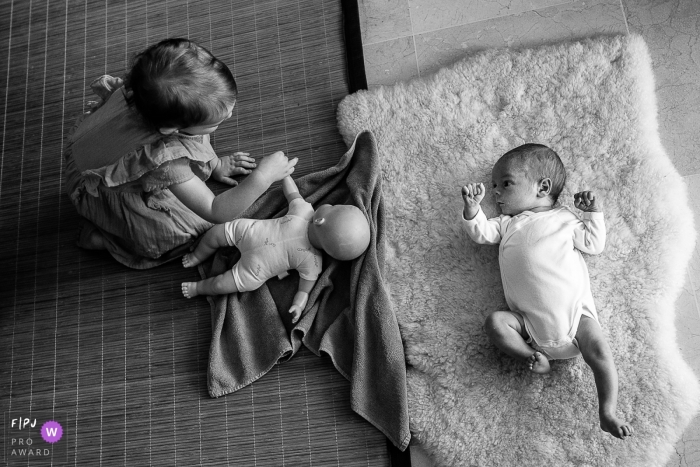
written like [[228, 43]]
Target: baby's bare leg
[[597, 354], [212, 240], [507, 333], [217, 285]]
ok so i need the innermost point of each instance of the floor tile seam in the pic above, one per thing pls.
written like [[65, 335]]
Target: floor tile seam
[[624, 16], [421, 33], [413, 37], [491, 18], [689, 276], [691, 283]]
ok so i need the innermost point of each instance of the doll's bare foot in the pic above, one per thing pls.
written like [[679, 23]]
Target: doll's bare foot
[[190, 260], [538, 363], [189, 289], [616, 427], [90, 237]]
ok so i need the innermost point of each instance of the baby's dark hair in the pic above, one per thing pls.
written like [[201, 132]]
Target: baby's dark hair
[[177, 84], [540, 162]]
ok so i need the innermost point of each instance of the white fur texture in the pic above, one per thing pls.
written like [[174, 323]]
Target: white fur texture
[[594, 103]]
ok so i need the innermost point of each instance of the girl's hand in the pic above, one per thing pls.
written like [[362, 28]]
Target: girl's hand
[[472, 194], [276, 166], [229, 166], [585, 201]]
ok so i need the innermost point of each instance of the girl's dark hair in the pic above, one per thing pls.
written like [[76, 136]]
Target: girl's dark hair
[[177, 84], [540, 162]]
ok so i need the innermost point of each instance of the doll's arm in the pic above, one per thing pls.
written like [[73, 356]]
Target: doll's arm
[[289, 188], [300, 298]]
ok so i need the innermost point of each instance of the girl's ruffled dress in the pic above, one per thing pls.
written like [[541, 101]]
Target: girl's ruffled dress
[[117, 175]]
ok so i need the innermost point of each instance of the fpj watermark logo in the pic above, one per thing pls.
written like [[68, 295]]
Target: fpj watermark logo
[[35, 438]]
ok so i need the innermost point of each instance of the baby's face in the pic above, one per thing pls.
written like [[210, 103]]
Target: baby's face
[[513, 191]]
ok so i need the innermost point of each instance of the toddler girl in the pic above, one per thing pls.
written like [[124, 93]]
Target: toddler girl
[[137, 162], [545, 279]]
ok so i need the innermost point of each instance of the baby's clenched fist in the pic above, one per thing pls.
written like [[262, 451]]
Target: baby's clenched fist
[[586, 202], [472, 194]]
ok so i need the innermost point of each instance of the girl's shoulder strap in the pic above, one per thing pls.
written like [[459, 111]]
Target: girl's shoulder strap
[[104, 87], [109, 132]]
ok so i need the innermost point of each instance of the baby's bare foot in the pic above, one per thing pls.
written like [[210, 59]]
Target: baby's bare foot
[[616, 427], [190, 260], [189, 289], [538, 363]]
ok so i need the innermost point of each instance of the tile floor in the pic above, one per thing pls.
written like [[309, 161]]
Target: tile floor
[[403, 39]]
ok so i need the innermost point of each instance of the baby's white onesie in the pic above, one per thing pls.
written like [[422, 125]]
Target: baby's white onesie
[[544, 275]]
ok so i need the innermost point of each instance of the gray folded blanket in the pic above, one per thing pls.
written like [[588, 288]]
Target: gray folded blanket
[[349, 315]]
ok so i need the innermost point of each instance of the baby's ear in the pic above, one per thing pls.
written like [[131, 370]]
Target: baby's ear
[[167, 131], [544, 188]]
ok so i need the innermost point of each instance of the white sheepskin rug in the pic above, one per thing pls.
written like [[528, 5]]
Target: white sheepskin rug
[[594, 103]]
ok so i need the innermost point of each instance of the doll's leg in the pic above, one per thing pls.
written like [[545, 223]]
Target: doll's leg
[[211, 241], [217, 285], [597, 354], [508, 333]]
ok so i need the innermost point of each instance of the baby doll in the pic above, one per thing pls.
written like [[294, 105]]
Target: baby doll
[[545, 279], [271, 247]]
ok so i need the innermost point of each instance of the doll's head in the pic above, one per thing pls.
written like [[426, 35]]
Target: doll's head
[[177, 85], [528, 178], [341, 231]]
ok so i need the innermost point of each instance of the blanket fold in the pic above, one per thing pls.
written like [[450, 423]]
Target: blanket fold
[[349, 315]]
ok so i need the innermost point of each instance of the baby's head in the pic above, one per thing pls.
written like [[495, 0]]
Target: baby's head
[[341, 231], [528, 178], [178, 85]]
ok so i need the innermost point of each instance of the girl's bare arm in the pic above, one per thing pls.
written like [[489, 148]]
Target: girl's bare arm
[[197, 196]]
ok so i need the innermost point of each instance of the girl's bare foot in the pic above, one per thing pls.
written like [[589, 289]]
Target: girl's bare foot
[[538, 363], [190, 260], [90, 238], [616, 427], [189, 289]]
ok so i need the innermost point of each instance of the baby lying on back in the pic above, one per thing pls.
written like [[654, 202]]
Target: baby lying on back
[[545, 279]]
